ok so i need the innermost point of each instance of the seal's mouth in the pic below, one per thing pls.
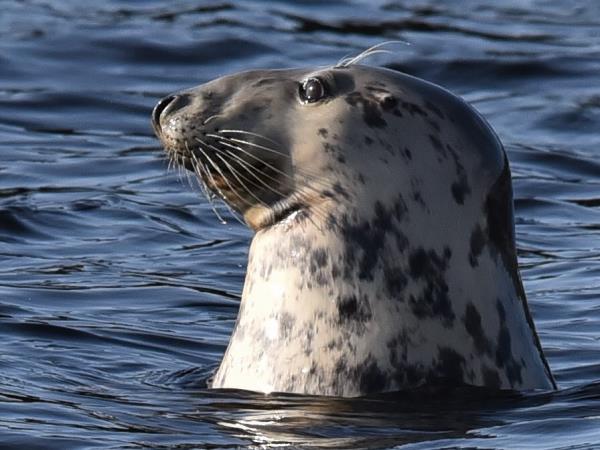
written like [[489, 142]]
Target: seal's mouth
[[253, 174], [251, 178]]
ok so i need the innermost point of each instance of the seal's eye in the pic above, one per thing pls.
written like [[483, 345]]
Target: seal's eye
[[312, 90]]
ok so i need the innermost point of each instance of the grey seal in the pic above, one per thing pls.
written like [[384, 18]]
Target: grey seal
[[384, 255]]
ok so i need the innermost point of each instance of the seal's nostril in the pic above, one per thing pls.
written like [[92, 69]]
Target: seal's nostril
[[159, 108]]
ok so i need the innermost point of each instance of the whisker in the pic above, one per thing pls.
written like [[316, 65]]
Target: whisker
[[235, 173], [250, 133], [218, 169], [249, 169], [253, 171], [223, 197], [200, 166], [252, 144], [348, 61], [270, 166], [257, 159], [307, 173], [214, 116]]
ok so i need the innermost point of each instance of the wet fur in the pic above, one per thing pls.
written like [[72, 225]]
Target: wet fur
[[396, 266]]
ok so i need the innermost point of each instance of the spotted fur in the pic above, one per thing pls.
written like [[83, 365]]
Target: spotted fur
[[394, 264]]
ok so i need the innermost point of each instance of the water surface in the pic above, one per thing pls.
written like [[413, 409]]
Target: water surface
[[119, 287]]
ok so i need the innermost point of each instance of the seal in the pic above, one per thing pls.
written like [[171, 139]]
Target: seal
[[384, 253]]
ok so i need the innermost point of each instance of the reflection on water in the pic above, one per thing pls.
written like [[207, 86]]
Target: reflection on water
[[119, 287]]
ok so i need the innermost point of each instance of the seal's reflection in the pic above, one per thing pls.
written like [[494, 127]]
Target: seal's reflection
[[381, 421]]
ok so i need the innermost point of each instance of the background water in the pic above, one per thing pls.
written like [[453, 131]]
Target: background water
[[119, 287]]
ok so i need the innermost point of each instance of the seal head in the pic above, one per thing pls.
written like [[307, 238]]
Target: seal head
[[384, 255]]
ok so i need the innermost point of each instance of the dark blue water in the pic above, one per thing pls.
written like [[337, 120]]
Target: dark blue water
[[119, 287]]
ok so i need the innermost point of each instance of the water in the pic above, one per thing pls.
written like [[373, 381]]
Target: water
[[119, 287]]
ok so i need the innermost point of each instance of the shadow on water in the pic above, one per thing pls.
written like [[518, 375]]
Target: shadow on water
[[464, 417], [377, 422]]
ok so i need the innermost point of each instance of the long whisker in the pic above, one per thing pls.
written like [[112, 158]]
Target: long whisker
[[298, 195], [270, 166], [238, 141], [235, 143], [233, 213], [235, 173], [250, 133], [184, 174], [253, 171], [249, 169], [208, 119], [218, 169], [203, 169], [251, 144], [256, 158], [199, 179], [348, 61]]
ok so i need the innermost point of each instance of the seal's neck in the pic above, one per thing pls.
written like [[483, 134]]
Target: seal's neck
[[354, 307]]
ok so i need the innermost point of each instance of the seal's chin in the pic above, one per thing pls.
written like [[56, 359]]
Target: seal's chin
[[260, 217], [249, 189]]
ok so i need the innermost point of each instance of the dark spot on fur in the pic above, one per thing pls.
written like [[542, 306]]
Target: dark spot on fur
[[365, 239], [472, 321], [334, 344], [335, 271], [307, 347], [340, 367], [433, 124], [503, 352], [331, 148], [368, 140], [347, 307], [504, 356], [317, 262], [500, 225], [372, 379], [394, 281], [319, 256], [418, 198], [435, 141], [433, 301], [350, 308], [491, 378], [431, 107], [477, 242], [449, 368], [322, 132], [414, 109], [460, 188], [501, 311], [398, 348], [286, 325], [370, 109], [339, 189]]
